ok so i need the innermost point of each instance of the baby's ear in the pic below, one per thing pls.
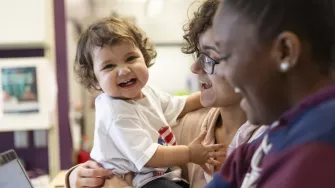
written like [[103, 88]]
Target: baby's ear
[[95, 84], [95, 87]]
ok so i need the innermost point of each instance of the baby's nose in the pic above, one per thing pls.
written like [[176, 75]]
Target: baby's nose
[[123, 71]]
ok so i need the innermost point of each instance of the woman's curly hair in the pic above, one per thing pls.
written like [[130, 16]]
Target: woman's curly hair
[[108, 31], [202, 19]]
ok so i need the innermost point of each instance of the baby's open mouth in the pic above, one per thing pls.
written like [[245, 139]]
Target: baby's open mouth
[[128, 83]]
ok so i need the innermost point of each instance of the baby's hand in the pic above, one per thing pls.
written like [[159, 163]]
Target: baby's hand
[[201, 154]]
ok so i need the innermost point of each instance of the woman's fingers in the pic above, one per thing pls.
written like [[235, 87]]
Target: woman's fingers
[[93, 169], [91, 164], [90, 182], [93, 173]]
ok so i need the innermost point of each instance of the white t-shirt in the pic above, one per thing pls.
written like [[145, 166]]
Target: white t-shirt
[[127, 133]]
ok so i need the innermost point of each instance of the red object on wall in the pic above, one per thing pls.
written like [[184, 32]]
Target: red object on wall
[[83, 156], [84, 153]]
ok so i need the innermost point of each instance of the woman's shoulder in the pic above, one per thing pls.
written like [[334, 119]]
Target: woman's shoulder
[[199, 117], [212, 116], [191, 125]]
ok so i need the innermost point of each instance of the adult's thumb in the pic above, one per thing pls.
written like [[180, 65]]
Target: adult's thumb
[[92, 164]]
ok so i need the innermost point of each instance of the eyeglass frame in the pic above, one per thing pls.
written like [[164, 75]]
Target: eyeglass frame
[[202, 64]]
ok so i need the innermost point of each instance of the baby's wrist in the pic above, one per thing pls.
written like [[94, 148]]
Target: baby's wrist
[[190, 152]]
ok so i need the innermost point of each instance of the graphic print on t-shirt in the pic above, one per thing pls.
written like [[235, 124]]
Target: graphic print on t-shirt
[[166, 137]]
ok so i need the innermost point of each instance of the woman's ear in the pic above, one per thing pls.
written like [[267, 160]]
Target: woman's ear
[[287, 48]]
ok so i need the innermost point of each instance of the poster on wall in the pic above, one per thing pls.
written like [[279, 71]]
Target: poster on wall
[[19, 90], [28, 92]]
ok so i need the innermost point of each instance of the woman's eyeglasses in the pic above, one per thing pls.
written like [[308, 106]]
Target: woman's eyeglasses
[[207, 63]]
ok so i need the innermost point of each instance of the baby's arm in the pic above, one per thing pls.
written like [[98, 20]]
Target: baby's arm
[[137, 145], [195, 152], [168, 156], [175, 107], [192, 103]]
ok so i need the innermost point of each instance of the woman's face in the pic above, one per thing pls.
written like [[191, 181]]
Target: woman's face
[[215, 90], [250, 66]]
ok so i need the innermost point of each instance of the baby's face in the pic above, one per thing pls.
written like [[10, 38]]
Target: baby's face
[[121, 70]]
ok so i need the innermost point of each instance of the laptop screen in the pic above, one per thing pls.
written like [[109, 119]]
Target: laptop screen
[[12, 173]]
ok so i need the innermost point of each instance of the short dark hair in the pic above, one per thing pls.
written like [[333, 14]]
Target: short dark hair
[[201, 21], [108, 31], [312, 21]]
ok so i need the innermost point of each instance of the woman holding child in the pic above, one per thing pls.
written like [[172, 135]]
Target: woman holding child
[[221, 121]]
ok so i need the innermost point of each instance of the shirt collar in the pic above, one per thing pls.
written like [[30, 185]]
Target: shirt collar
[[309, 102]]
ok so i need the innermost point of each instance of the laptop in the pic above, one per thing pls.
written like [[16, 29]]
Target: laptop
[[13, 175]]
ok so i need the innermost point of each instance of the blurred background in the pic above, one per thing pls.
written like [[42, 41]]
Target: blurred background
[[45, 115]]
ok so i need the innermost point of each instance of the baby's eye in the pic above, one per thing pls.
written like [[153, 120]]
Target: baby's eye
[[109, 66], [131, 58]]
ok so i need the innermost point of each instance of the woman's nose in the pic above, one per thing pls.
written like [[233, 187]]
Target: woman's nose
[[196, 68]]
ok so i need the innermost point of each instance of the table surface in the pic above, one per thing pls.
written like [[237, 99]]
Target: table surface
[[59, 180]]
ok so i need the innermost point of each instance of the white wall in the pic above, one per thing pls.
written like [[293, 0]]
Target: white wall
[[26, 24], [163, 27], [22, 22], [171, 69]]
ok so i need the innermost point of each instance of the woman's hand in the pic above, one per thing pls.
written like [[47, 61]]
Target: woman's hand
[[89, 174], [118, 182]]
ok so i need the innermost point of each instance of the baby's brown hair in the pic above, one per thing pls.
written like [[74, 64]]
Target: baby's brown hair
[[108, 31]]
